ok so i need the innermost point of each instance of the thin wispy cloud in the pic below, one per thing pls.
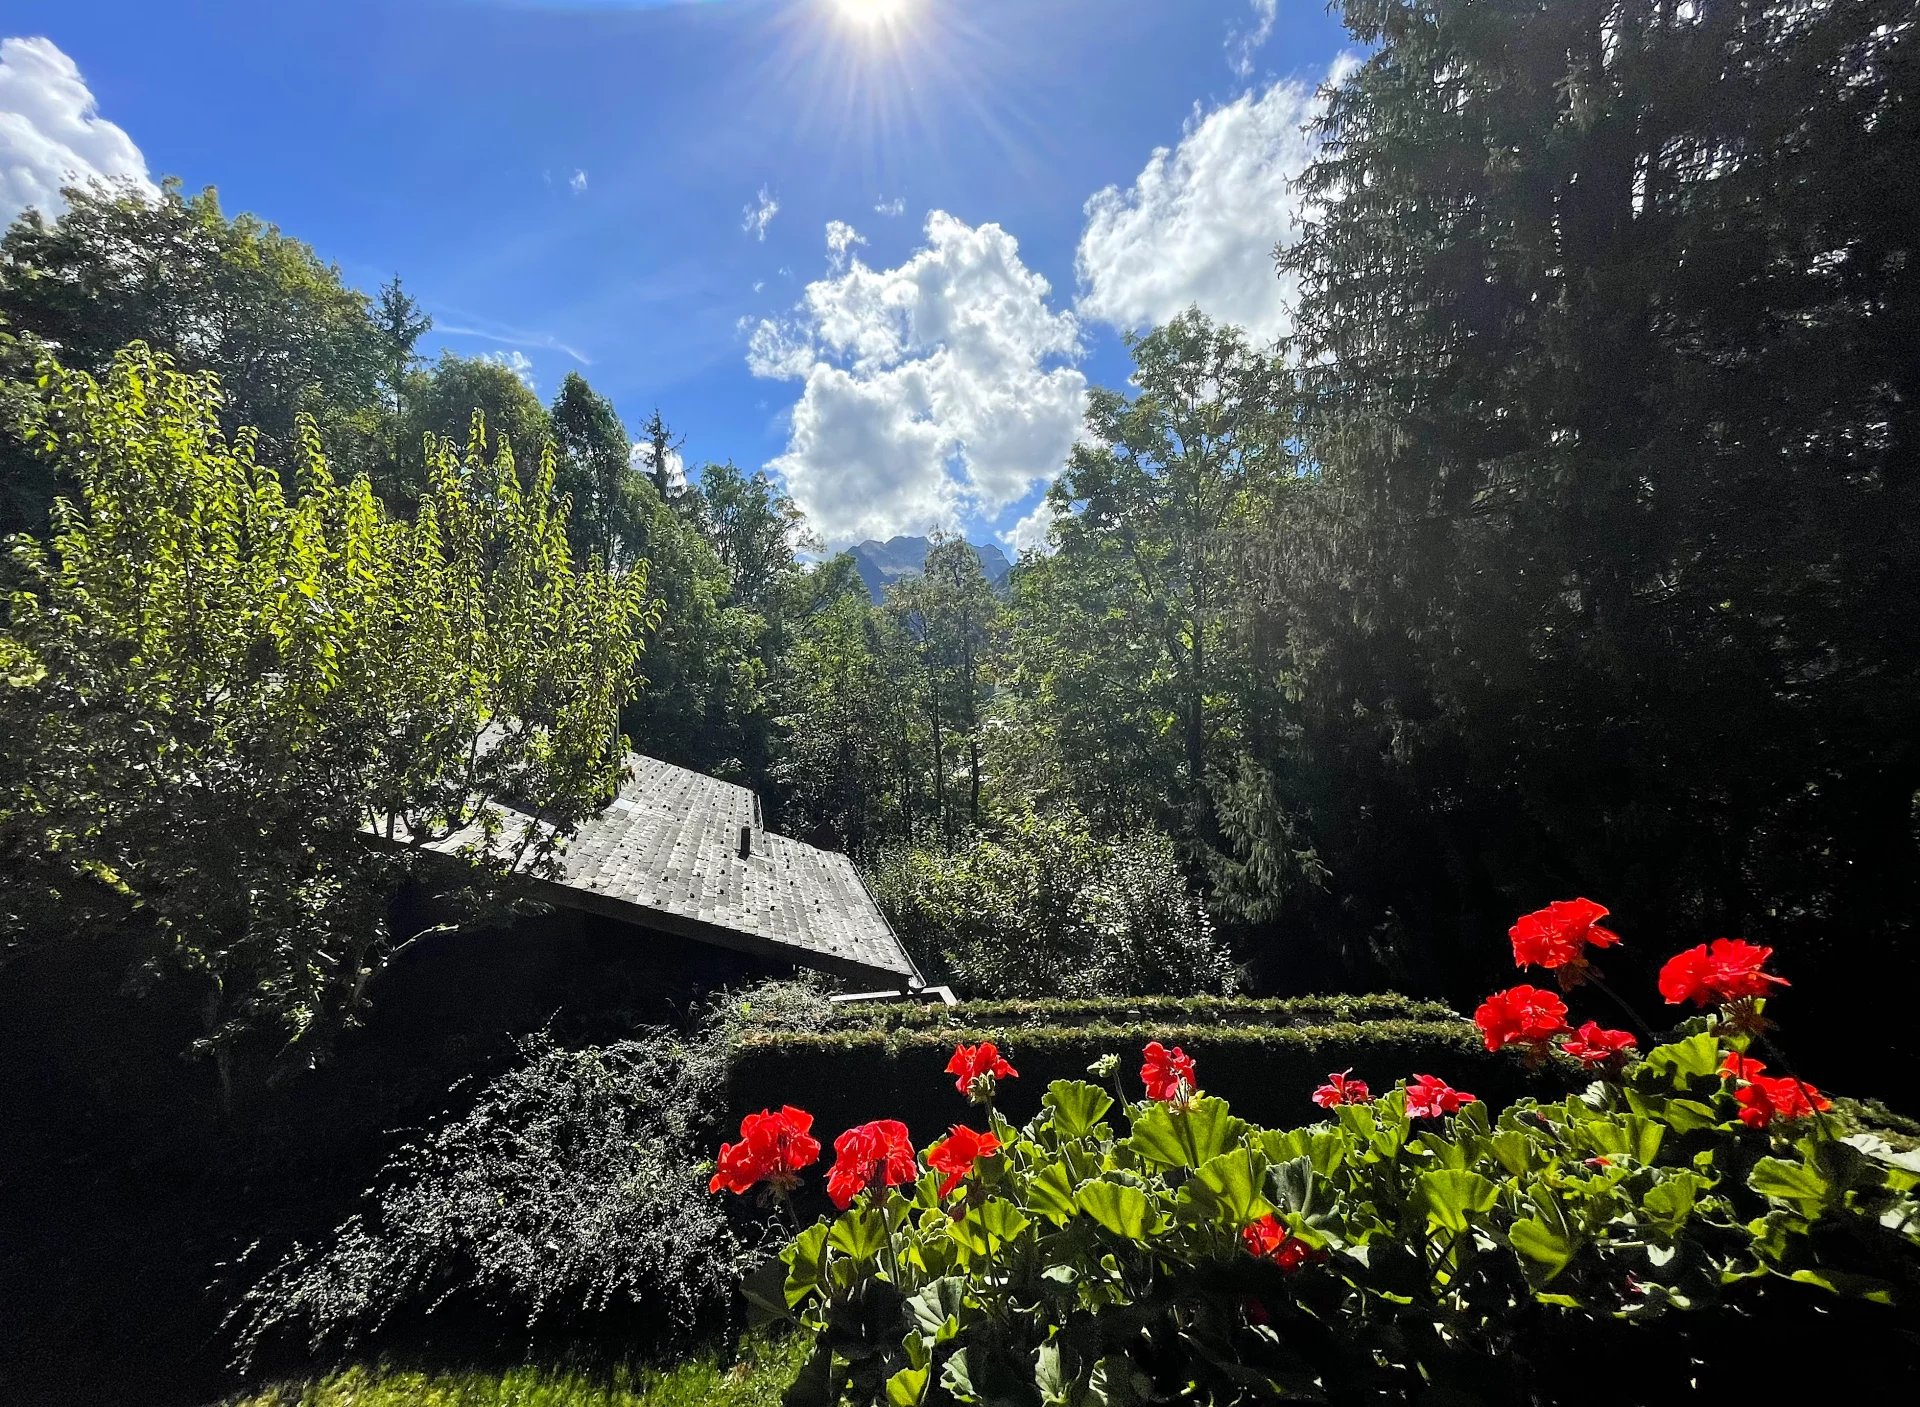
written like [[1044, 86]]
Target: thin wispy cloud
[[510, 337], [892, 209], [1243, 44], [578, 183], [758, 213]]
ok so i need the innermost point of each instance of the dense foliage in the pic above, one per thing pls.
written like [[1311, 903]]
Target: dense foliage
[[1045, 909], [216, 689], [1416, 1246]]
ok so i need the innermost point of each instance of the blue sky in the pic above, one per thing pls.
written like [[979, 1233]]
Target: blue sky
[[590, 186]]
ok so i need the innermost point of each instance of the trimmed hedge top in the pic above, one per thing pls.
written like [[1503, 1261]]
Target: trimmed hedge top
[[1001, 1019]]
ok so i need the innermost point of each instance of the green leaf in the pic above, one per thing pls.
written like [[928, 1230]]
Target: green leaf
[[956, 1376], [937, 1306], [1076, 1106], [1696, 1056], [1791, 1182], [1839, 1282], [805, 1261], [859, 1233], [1050, 1193], [907, 1387], [1122, 1210], [1449, 1196], [1049, 1375], [1670, 1203], [1226, 1189], [1541, 1244], [1175, 1138]]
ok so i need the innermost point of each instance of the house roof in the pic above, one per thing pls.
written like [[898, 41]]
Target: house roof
[[667, 855]]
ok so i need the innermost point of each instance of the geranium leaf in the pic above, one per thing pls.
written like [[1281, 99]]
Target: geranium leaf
[[1122, 1210], [1450, 1195], [1050, 1193], [1077, 1106], [1790, 1182], [1543, 1245]]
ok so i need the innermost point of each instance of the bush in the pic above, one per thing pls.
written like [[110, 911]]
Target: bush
[[1025, 1013], [566, 1191], [1046, 910], [1689, 1221]]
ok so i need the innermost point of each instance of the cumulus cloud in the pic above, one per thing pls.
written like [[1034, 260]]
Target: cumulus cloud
[[841, 239], [892, 209], [1200, 222], [577, 183], [940, 387], [1243, 44], [51, 132], [758, 213], [1030, 532]]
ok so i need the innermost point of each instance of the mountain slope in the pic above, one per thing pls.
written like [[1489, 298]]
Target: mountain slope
[[883, 563]]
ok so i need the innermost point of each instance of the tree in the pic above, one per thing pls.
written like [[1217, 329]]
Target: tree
[[1613, 399], [755, 528], [1134, 638], [232, 296], [952, 616], [658, 450], [594, 451], [218, 691], [401, 324], [442, 402]]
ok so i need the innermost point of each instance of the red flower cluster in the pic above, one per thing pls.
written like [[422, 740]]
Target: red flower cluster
[[1268, 1239], [1764, 1098], [1594, 1045], [1528, 1016], [956, 1154], [1429, 1096], [1559, 935], [1168, 1074], [878, 1154], [1728, 971], [1340, 1089], [978, 1067], [773, 1147]]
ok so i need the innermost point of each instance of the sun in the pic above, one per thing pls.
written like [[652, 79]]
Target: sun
[[873, 13]]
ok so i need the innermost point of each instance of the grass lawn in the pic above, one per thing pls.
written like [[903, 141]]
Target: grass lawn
[[755, 1378]]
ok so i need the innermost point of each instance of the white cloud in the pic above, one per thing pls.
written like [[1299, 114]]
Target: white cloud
[[1243, 44], [515, 361], [758, 213], [51, 133], [841, 239], [940, 387], [892, 209], [1030, 532], [577, 183], [1200, 222]]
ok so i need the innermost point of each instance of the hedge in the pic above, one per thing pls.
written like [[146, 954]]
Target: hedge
[[848, 1075], [1008, 1016]]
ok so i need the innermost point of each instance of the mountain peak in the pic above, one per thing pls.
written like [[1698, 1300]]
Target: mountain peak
[[881, 564]]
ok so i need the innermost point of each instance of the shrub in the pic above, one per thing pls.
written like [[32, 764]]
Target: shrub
[[1044, 909], [1414, 1247], [566, 1191]]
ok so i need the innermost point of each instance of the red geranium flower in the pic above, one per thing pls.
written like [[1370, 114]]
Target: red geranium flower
[[878, 1154], [1269, 1239], [773, 1147], [1521, 1016], [1168, 1074], [1764, 1098], [956, 1154], [1728, 971], [1595, 1045], [1560, 934], [1340, 1090], [977, 1068], [1428, 1097]]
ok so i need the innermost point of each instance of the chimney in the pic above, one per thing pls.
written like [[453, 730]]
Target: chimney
[[746, 841]]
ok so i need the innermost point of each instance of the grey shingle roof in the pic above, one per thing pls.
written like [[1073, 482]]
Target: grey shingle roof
[[666, 856]]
